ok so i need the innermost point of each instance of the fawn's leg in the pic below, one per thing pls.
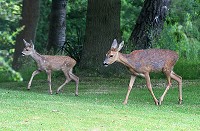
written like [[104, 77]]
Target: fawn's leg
[[179, 80], [66, 73], [49, 80], [76, 79], [148, 82], [132, 80], [167, 73], [30, 81]]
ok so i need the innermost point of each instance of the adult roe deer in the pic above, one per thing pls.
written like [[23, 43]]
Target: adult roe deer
[[142, 62], [49, 63]]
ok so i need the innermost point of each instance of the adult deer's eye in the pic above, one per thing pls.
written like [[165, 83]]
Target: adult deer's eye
[[26, 49], [111, 56]]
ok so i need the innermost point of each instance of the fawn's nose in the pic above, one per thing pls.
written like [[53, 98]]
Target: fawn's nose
[[23, 54], [105, 64]]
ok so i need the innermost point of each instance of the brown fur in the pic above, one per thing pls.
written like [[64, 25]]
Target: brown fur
[[142, 62], [50, 63]]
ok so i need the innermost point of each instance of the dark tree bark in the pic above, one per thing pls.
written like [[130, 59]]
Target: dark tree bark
[[102, 26], [57, 27], [30, 16], [149, 23]]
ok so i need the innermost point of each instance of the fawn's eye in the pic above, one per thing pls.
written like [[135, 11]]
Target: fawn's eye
[[111, 56], [26, 49]]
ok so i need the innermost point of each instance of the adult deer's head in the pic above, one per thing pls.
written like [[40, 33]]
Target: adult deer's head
[[28, 49], [112, 54]]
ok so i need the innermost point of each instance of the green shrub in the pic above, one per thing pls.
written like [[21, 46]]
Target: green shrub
[[9, 16], [188, 69]]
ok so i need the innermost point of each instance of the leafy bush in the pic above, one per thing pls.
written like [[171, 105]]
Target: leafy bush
[[181, 38], [188, 69], [6, 70], [9, 17], [130, 10]]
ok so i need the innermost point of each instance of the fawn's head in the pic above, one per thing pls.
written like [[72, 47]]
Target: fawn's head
[[112, 54], [28, 49]]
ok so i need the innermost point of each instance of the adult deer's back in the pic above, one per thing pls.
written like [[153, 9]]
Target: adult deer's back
[[142, 62], [152, 60]]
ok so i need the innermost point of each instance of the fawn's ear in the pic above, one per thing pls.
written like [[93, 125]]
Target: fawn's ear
[[31, 43], [26, 43], [114, 44], [120, 46]]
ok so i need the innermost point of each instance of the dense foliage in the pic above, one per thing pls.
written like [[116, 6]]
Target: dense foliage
[[75, 27], [182, 29], [9, 17], [180, 33], [129, 12]]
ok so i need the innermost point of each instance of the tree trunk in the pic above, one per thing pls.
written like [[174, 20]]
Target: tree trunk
[[149, 23], [102, 26], [30, 16], [57, 27]]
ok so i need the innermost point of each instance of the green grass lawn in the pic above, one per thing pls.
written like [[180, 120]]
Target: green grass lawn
[[98, 106]]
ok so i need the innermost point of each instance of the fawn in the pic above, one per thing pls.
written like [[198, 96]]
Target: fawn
[[142, 62], [49, 63]]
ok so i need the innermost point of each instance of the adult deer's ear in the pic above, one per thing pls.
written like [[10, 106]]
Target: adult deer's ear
[[120, 46], [114, 44]]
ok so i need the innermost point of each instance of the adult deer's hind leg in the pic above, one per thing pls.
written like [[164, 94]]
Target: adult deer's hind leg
[[179, 80], [167, 73]]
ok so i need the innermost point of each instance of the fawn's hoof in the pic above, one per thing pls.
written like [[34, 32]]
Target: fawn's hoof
[[29, 87], [180, 102], [160, 102], [57, 91], [125, 102]]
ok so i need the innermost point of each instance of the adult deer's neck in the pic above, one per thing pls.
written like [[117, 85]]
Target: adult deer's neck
[[124, 59]]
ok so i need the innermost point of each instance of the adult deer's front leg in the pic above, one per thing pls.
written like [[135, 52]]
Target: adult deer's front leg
[[30, 81], [148, 81], [132, 80]]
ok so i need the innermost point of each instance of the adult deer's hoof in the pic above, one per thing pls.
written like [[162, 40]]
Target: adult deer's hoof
[[157, 102]]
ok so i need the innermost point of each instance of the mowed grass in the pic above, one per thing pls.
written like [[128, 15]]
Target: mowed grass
[[98, 106]]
